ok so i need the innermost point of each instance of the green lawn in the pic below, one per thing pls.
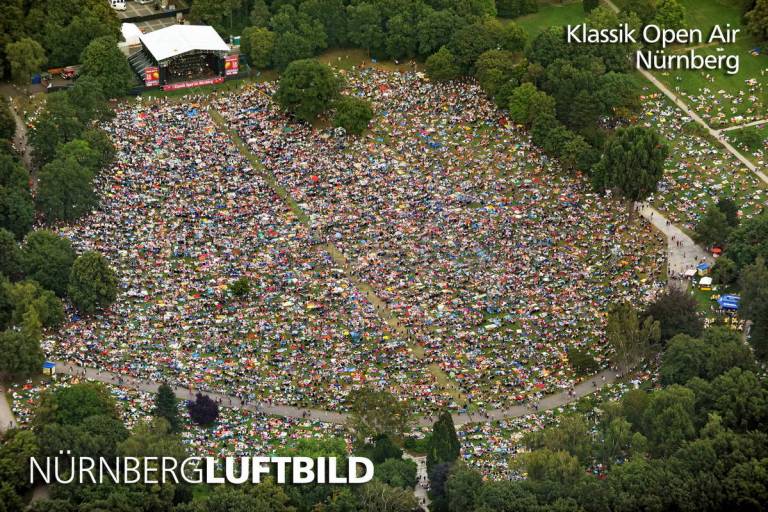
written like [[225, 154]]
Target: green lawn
[[704, 14], [753, 151], [551, 14]]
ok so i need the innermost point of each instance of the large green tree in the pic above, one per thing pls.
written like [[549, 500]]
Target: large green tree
[[677, 313], [47, 258], [26, 57], [103, 62], [630, 337], [65, 190], [757, 20], [632, 163], [443, 446], [749, 241], [92, 283], [353, 114], [307, 88], [166, 406], [375, 413]]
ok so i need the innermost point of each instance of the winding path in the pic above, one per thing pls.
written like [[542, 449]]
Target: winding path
[[553, 401]]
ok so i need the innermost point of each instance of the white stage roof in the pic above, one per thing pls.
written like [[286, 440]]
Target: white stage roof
[[178, 39]]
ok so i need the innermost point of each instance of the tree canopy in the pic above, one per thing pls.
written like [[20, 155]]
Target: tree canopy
[[307, 88]]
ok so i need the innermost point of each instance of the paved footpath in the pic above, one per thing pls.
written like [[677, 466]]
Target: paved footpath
[[682, 252], [553, 401], [7, 420], [420, 491]]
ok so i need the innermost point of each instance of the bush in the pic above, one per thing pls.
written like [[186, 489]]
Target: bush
[[353, 114]]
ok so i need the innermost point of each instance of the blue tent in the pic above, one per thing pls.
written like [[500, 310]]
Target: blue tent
[[730, 302], [702, 266], [48, 365]]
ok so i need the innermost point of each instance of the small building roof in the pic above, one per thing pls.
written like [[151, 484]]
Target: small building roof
[[131, 33], [179, 39]]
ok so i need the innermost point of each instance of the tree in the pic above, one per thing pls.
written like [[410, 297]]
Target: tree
[[547, 466], [103, 61], [7, 121], [290, 47], [515, 8], [669, 14], [719, 350], [74, 404], [89, 100], [495, 68], [100, 142], [462, 487], [353, 114], [581, 361], [26, 57], [15, 451], [166, 407], [376, 496], [628, 336], [725, 271], [214, 13], [441, 66], [749, 241], [397, 473], [258, 44], [241, 287], [47, 258], [757, 20], [57, 124], [435, 30], [65, 190], [332, 15], [81, 152], [203, 411], [645, 9], [384, 449], [375, 413], [669, 419], [365, 26], [713, 228], [632, 163], [28, 295], [10, 255], [527, 103], [730, 209], [443, 446], [22, 355], [92, 283], [590, 5], [754, 304], [17, 210], [677, 313], [260, 14], [307, 88]]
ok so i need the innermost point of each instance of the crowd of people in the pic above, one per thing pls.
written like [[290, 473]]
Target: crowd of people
[[495, 259]]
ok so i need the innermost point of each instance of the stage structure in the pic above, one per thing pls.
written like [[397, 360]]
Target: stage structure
[[183, 56]]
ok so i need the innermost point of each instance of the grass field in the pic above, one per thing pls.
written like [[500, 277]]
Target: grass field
[[754, 150], [551, 14]]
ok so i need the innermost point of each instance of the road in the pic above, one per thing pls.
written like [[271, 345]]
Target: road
[[747, 125]]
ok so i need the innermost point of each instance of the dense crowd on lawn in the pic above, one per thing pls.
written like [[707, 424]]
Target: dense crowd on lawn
[[183, 215], [699, 171], [495, 259]]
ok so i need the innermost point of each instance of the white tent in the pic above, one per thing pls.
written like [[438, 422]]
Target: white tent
[[705, 281], [179, 39], [131, 33]]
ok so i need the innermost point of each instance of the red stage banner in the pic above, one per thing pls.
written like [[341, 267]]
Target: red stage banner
[[151, 76], [193, 83], [231, 65]]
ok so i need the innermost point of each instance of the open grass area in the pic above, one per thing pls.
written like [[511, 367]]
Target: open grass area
[[347, 58], [755, 150], [551, 14]]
